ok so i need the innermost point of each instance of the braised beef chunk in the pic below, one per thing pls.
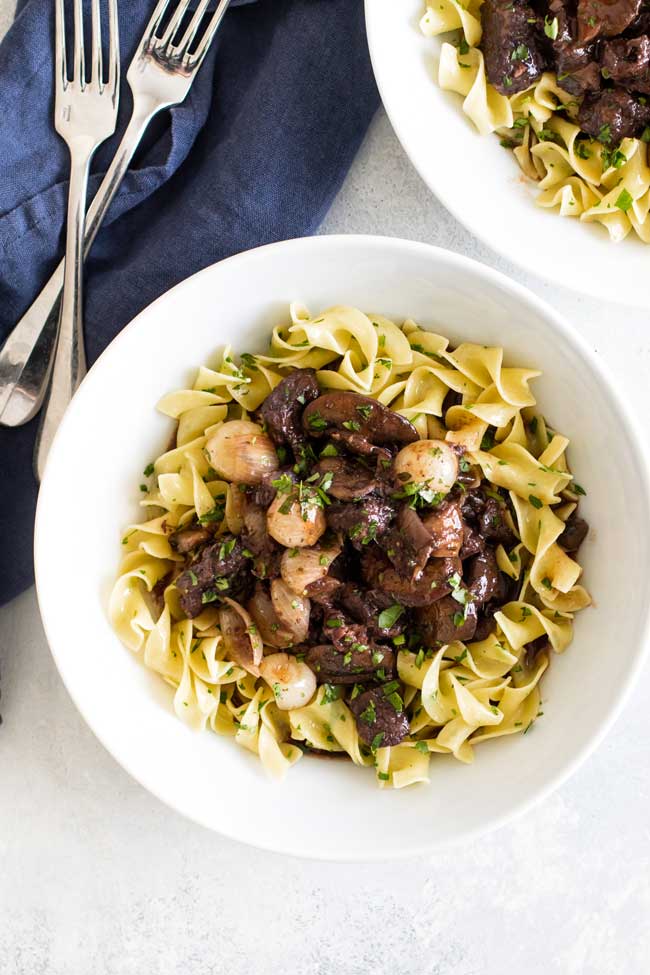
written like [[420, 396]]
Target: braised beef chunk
[[346, 411], [627, 62], [513, 55], [574, 534], [380, 717], [367, 606], [218, 570], [447, 620], [492, 524], [612, 115], [350, 479], [484, 578], [578, 70], [282, 409], [186, 539], [445, 525], [362, 521], [472, 542], [357, 664], [605, 18], [432, 583], [472, 504]]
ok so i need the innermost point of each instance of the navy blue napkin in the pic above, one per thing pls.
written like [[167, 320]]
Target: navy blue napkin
[[255, 154]]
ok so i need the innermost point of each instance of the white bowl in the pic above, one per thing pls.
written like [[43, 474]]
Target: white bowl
[[481, 183], [330, 809]]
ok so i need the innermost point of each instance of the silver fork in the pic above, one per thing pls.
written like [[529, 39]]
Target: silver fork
[[160, 75], [85, 114]]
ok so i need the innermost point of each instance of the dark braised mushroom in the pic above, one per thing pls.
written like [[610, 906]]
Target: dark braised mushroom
[[354, 665], [282, 409], [380, 718], [350, 479], [185, 539], [408, 544], [345, 411], [447, 620], [445, 525]]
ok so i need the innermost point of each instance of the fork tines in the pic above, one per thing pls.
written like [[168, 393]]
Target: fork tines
[[79, 57], [183, 49]]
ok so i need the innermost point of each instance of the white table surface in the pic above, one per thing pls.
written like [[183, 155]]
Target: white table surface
[[97, 877]]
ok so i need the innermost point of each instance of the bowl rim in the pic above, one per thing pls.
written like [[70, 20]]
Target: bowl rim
[[418, 159], [629, 424]]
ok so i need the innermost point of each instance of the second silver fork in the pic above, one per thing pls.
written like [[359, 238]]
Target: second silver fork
[[85, 114]]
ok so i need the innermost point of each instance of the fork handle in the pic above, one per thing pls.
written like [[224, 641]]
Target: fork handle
[[70, 359], [26, 357]]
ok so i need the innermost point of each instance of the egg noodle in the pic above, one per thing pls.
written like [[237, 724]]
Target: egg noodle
[[456, 696], [577, 176]]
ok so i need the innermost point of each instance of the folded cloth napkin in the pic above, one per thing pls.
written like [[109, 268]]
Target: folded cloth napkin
[[255, 154]]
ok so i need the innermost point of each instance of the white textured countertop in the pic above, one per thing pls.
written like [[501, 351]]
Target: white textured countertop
[[97, 877]]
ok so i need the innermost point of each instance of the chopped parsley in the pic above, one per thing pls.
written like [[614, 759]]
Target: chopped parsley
[[215, 514], [388, 617], [329, 451], [422, 746], [624, 201], [605, 134], [316, 421], [365, 411], [330, 693], [377, 740], [520, 53], [369, 714], [551, 27], [148, 471], [578, 489], [536, 503], [353, 425]]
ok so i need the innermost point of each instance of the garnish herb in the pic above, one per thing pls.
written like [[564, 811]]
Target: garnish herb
[[388, 617], [551, 27], [624, 201], [536, 503]]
